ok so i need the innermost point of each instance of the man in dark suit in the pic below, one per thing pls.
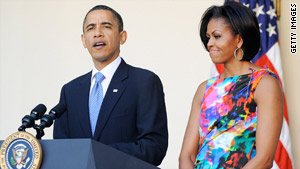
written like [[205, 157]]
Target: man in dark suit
[[132, 116]]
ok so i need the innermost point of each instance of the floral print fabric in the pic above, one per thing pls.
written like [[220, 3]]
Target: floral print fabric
[[228, 119]]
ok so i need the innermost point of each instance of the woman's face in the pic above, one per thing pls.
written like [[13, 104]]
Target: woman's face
[[221, 41]]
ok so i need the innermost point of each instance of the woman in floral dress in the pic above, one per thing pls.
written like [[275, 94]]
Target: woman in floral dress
[[236, 117]]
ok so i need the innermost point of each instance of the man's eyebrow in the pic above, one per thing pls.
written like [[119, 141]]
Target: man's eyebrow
[[106, 23], [91, 24]]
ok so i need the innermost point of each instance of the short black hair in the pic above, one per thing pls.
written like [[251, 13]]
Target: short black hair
[[116, 15], [241, 20]]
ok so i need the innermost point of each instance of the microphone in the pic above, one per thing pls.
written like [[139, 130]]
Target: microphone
[[36, 113], [55, 112]]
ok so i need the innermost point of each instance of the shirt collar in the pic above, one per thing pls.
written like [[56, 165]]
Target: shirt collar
[[109, 70]]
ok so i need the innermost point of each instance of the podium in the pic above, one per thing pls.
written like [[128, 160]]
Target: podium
[[86, 154]]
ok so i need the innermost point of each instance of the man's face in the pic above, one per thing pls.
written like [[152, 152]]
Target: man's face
[[102, 37]]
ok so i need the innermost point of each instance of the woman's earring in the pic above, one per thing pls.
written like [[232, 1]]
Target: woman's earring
[[239, 59]]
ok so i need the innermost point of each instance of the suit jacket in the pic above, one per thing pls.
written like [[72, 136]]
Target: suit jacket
[[132, 117]]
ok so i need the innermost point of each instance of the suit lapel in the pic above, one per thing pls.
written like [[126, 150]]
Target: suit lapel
[[83, 107], [112, 96]]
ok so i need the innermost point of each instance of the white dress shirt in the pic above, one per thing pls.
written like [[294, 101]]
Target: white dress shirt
[[108, 72]]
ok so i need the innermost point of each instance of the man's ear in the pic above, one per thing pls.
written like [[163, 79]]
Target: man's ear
[[83, 40], [123, 37]]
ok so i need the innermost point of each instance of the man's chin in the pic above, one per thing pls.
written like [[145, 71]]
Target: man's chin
[[104, 59]]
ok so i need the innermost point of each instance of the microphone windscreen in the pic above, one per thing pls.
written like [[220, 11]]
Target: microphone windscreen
[[39, 110], [58, 110]]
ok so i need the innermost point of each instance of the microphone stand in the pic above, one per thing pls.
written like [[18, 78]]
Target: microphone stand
[[39, 131], [46, 121]]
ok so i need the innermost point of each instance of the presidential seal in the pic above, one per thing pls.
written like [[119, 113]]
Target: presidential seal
[[20, 150]]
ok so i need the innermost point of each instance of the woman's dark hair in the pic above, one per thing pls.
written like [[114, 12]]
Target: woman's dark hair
[[241, 20]]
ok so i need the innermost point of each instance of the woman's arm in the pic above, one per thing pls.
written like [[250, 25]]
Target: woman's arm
[[191, 138], [268, 97]]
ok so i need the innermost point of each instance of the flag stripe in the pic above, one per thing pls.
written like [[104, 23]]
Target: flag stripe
[[275, 166], [285, 139], [220, 67], [282, 158], [274, 56]]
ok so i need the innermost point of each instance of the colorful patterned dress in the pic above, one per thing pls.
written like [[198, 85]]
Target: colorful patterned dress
[[228, 119]]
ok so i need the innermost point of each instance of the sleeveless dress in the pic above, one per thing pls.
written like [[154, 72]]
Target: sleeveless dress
[[228, 119]]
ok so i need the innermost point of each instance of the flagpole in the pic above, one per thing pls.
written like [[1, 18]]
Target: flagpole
[[278, 2]]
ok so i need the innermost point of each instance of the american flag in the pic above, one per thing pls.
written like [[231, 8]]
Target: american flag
[[269, 56]]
